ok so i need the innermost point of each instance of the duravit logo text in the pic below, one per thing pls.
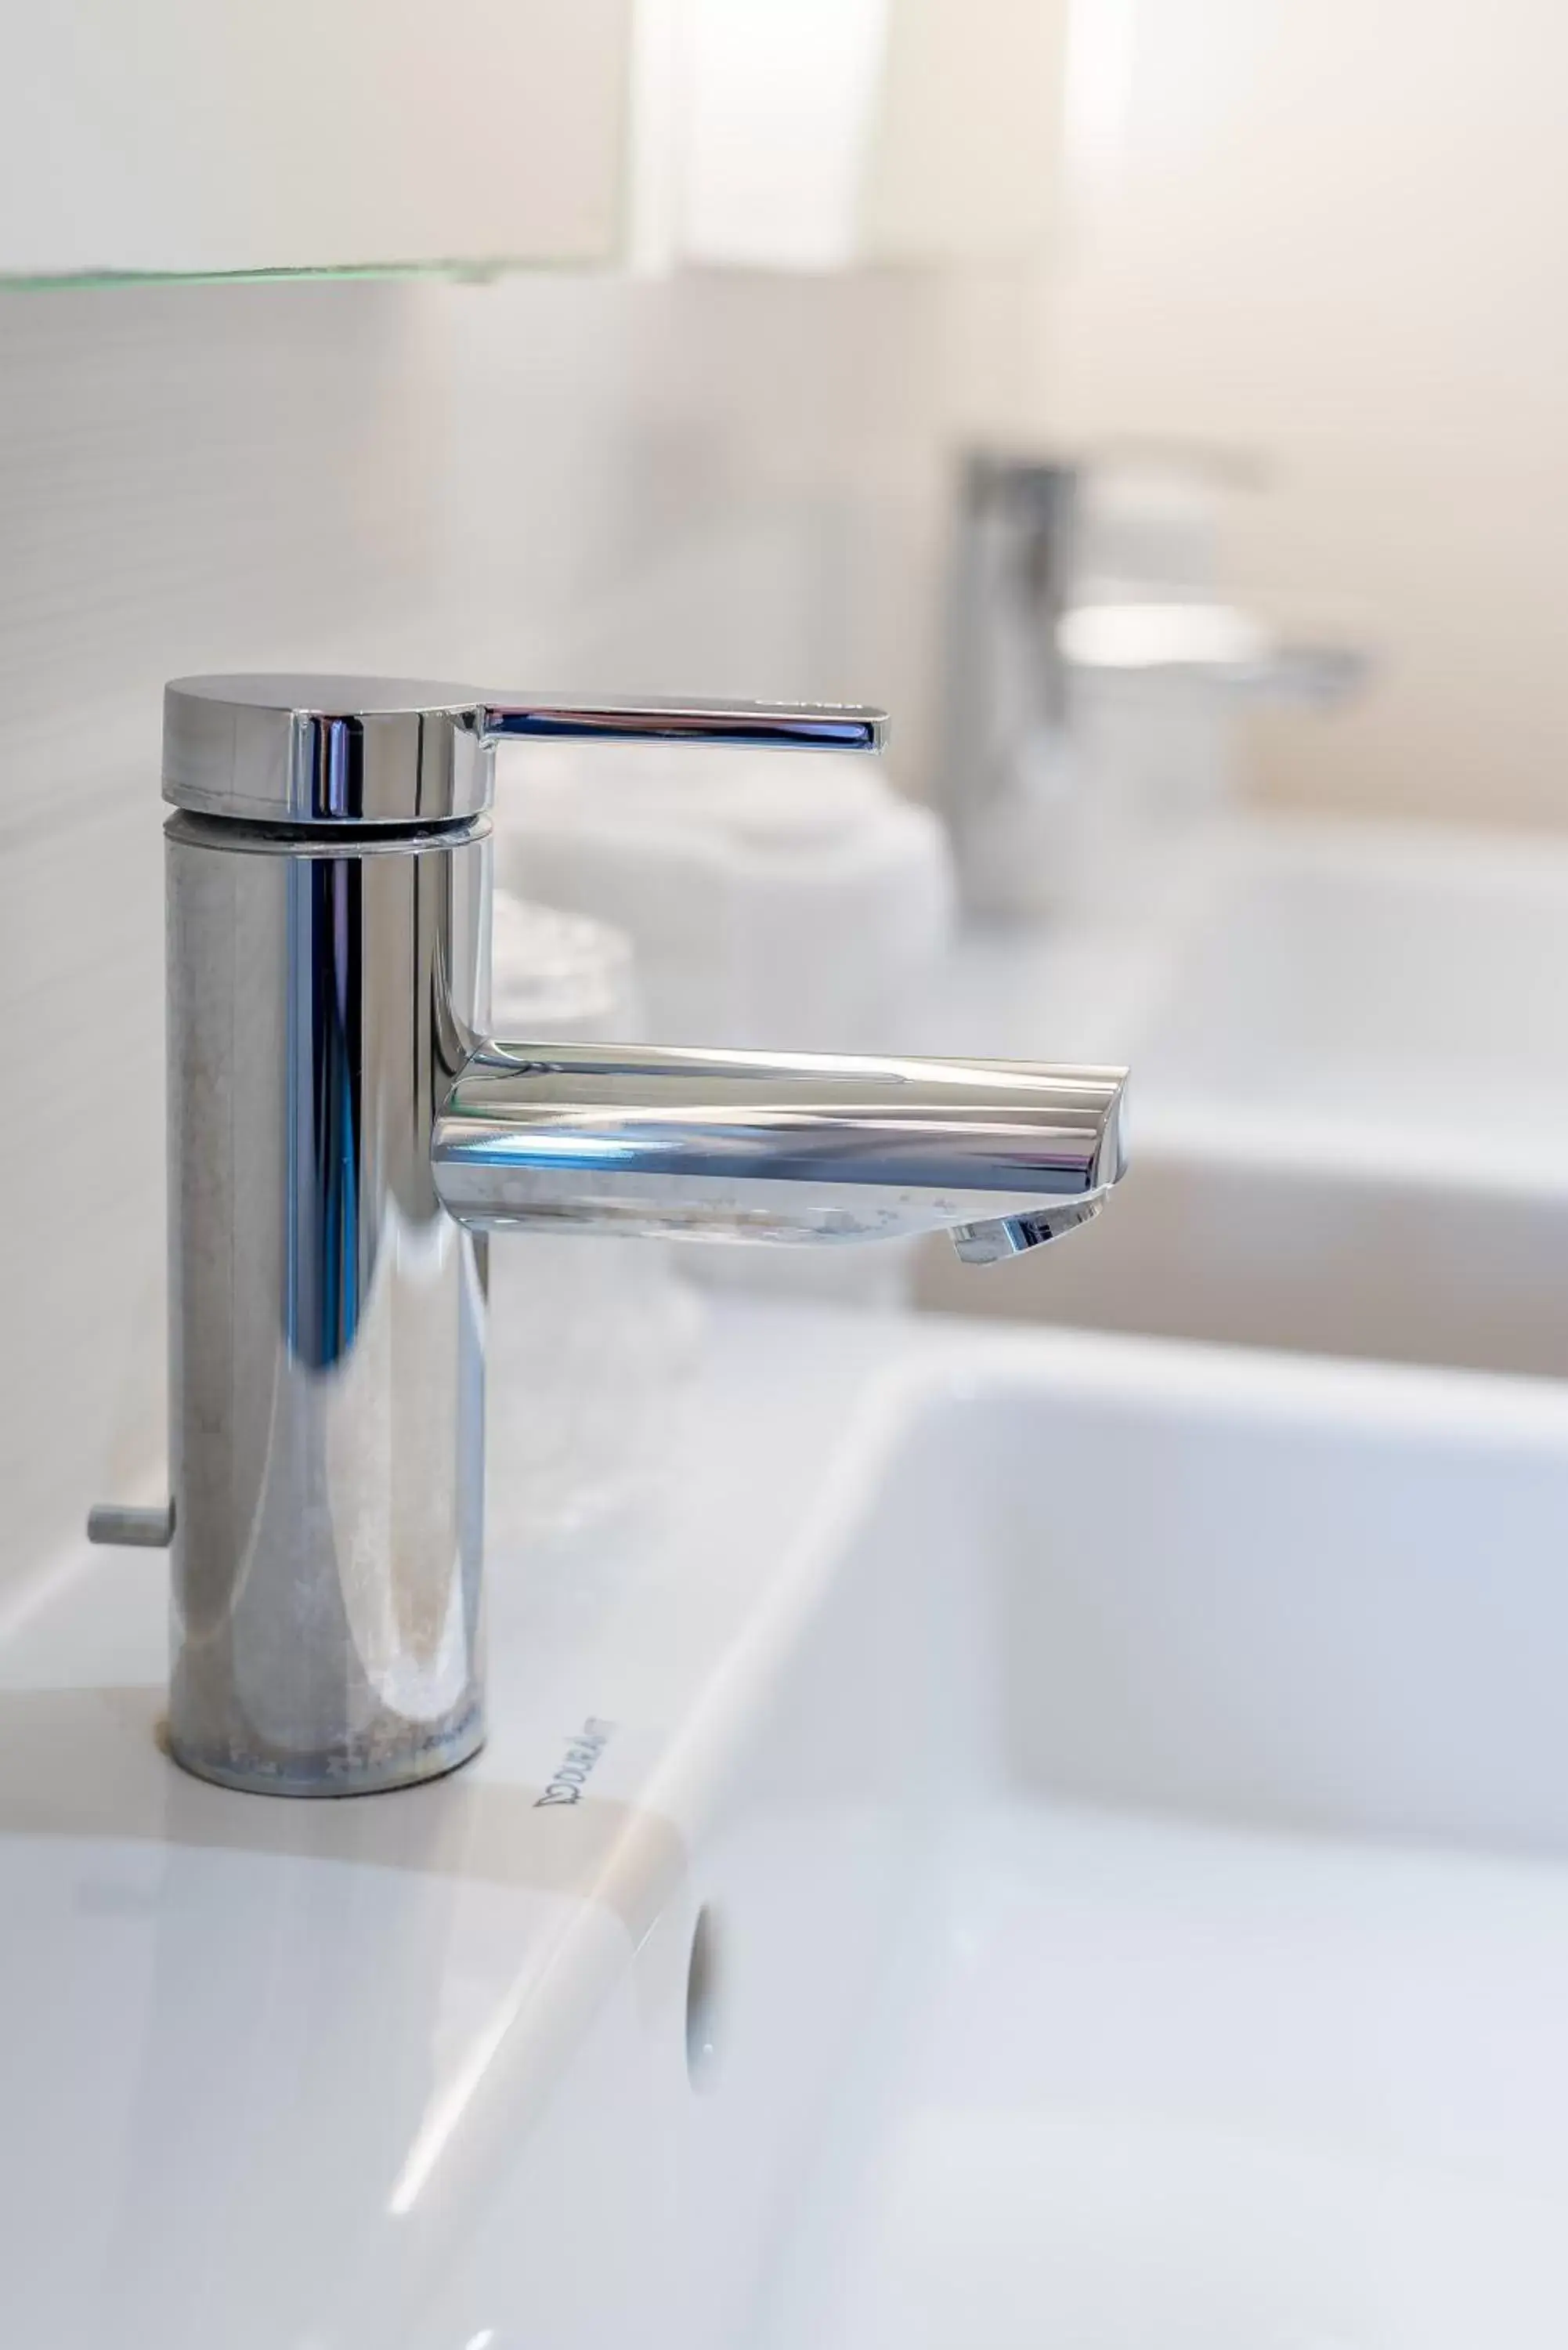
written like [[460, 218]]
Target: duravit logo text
[[566, 1786]]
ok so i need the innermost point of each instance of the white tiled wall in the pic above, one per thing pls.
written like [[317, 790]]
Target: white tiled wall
[[726, 483]]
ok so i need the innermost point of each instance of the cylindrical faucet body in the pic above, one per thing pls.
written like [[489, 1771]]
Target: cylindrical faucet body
[[326, 1314]]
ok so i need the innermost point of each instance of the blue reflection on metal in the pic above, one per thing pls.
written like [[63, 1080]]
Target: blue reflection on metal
[[533, 1149], [736, 729], [325, 1278]]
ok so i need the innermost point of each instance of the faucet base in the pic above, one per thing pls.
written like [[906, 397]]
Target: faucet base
[[366, 1775]]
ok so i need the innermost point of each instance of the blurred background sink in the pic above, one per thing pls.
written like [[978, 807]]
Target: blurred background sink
[[1350, 1121], [1382, 992]]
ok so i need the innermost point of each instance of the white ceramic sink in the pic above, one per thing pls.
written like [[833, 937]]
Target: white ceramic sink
[[1350, 1104], [1069, 1845], [1396, 992]]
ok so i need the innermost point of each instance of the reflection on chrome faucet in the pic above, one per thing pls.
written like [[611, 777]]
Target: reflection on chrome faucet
[[342, 1135]]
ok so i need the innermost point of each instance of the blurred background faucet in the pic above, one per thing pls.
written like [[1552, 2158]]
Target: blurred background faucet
[[1083, 650], [343, 1132]]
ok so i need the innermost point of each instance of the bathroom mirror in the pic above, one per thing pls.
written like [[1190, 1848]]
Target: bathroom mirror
[[181, 137], [213, 138]]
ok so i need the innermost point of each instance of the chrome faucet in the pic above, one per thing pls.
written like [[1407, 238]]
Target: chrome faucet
[[1022, 638], [342, 1133]]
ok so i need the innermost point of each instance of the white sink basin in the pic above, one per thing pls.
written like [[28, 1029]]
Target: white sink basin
[[1350, 1103], [1226, 2010], [1118, 1797]]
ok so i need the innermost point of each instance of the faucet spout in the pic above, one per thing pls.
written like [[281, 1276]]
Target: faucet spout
[[776, 1147], [996, 1238]]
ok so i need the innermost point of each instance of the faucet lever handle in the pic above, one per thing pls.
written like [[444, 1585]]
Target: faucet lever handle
[[753, 725], [372, 751]]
